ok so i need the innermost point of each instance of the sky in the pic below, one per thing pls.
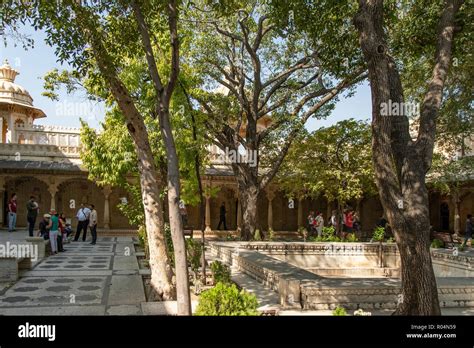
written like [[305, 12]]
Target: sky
[[35, 62]]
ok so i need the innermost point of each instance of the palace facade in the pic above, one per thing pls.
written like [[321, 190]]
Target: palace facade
[[44, 161]]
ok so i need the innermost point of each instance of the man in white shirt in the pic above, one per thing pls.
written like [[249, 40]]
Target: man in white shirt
[[93, 224], [82, 216]]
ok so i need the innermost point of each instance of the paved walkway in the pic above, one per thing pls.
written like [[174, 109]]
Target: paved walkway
[[101, 279]]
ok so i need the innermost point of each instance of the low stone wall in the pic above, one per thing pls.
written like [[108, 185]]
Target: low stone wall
[[312, 256], [299, 288], [446, 264]]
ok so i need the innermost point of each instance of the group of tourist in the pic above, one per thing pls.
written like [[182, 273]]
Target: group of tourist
[[53, 226], [348, 220]]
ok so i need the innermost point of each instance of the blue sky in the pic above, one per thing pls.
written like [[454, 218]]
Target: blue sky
[[35, 62]]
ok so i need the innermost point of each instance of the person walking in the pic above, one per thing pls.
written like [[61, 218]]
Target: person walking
[[222, 213], [468, 231], [32, 213], [12, 213], [82, 222], [93, 224], [319, 224], [53, 231]]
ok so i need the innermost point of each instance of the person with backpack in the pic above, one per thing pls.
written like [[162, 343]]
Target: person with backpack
[[82, 222]]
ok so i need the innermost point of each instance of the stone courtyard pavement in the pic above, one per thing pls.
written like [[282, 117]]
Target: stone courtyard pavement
[[101, 279]]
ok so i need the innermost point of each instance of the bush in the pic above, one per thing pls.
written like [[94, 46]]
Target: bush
[[436, 243], [226, 300], [352, 238], [220, 272], [143, 240], [339, 312], [194, 253], [328, 235], [257, 235], [379, 234], [271, 234]]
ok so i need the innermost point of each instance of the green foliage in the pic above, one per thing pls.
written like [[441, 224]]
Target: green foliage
[[379, 234], [226, 300], [437, 243], [194, 253], [390, 240], [257, 235], [335, 161], [143, 240], [352, 238], [328, 235], [220, 272], [271, 234], [339, 311]]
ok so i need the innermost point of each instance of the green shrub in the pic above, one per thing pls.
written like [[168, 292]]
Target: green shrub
[[328, 235], [339, 312], [257, 236], [143, 239], [226, 300], [379, 234], [390, 240], [194, 253], [436, 243], [220, 272], [271, 234], [352, 238]]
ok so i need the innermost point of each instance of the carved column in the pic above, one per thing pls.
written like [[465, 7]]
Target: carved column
[[270, 197], [239, 213], [107, 191], [300, 212], [208, 214], [53, 189]]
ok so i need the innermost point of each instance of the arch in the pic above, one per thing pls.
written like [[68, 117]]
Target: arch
[[26, 186]]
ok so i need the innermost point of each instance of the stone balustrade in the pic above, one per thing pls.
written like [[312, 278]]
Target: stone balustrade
[[299, 288]]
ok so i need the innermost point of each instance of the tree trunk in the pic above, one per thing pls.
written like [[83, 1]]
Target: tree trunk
[[161, 271], [249, 201], [400, 164], [176, 223]]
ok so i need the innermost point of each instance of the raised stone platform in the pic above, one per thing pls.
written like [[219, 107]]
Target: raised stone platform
[[300, 289]]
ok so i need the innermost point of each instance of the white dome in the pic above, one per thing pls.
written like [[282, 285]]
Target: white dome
[[10, 92]]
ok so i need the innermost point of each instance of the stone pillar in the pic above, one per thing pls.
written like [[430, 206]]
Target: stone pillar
[[239, 215], [270, 197], [300, 212], [52, 191], [208, 214], [107, 191]]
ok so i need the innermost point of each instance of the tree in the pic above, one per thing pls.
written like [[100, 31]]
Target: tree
[[400, 37], [335, 162], [400, 162], [97, 40], [255, 73]]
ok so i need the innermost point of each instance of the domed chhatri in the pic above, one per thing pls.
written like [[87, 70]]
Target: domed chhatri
[[10, 92], [16, 106]]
